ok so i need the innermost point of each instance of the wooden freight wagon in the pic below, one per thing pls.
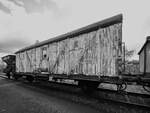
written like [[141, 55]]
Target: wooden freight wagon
[[84, 54], [144, 56]]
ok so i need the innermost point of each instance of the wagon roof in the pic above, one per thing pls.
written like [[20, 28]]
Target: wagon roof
[[88, 28], [146, 42], [5, 57]]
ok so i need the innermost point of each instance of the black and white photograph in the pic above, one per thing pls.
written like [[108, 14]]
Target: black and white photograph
[[74, 56]]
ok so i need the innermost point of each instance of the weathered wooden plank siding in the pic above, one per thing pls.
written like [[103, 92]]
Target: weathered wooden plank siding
[[141, 60], [52, 54], [21, 62], [75, 55], [37, 58], [33, 59], [67, 57], [147, 58], [90, 58], [61, 57], [29, 61], [44, 58], [93, 53], [17, 63]]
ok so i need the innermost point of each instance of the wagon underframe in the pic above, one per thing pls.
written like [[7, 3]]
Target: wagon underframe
[[121, 81]]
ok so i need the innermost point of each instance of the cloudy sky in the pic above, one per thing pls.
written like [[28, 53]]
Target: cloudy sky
[[22, 22]]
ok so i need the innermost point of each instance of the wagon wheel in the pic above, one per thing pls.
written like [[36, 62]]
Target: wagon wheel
[[146, 87], [14, 76], [8, 75], [88, 86], [121, 87], [30, 78], [11, 75]]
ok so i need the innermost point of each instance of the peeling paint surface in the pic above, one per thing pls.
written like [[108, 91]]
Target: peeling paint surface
[[93, 53]]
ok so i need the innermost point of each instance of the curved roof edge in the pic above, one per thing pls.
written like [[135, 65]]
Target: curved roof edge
[[146, 42], [88, 28]]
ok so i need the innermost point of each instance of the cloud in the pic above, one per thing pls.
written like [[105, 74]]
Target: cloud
[[23, 23], [35, 6], [12, 44], [43, 19], [4, 8], [17, 2]]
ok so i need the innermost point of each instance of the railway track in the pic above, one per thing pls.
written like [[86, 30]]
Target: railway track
[[127, 99]]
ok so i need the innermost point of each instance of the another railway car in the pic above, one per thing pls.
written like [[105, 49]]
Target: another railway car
[[10, 68], [83, 55], [144, 56]]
